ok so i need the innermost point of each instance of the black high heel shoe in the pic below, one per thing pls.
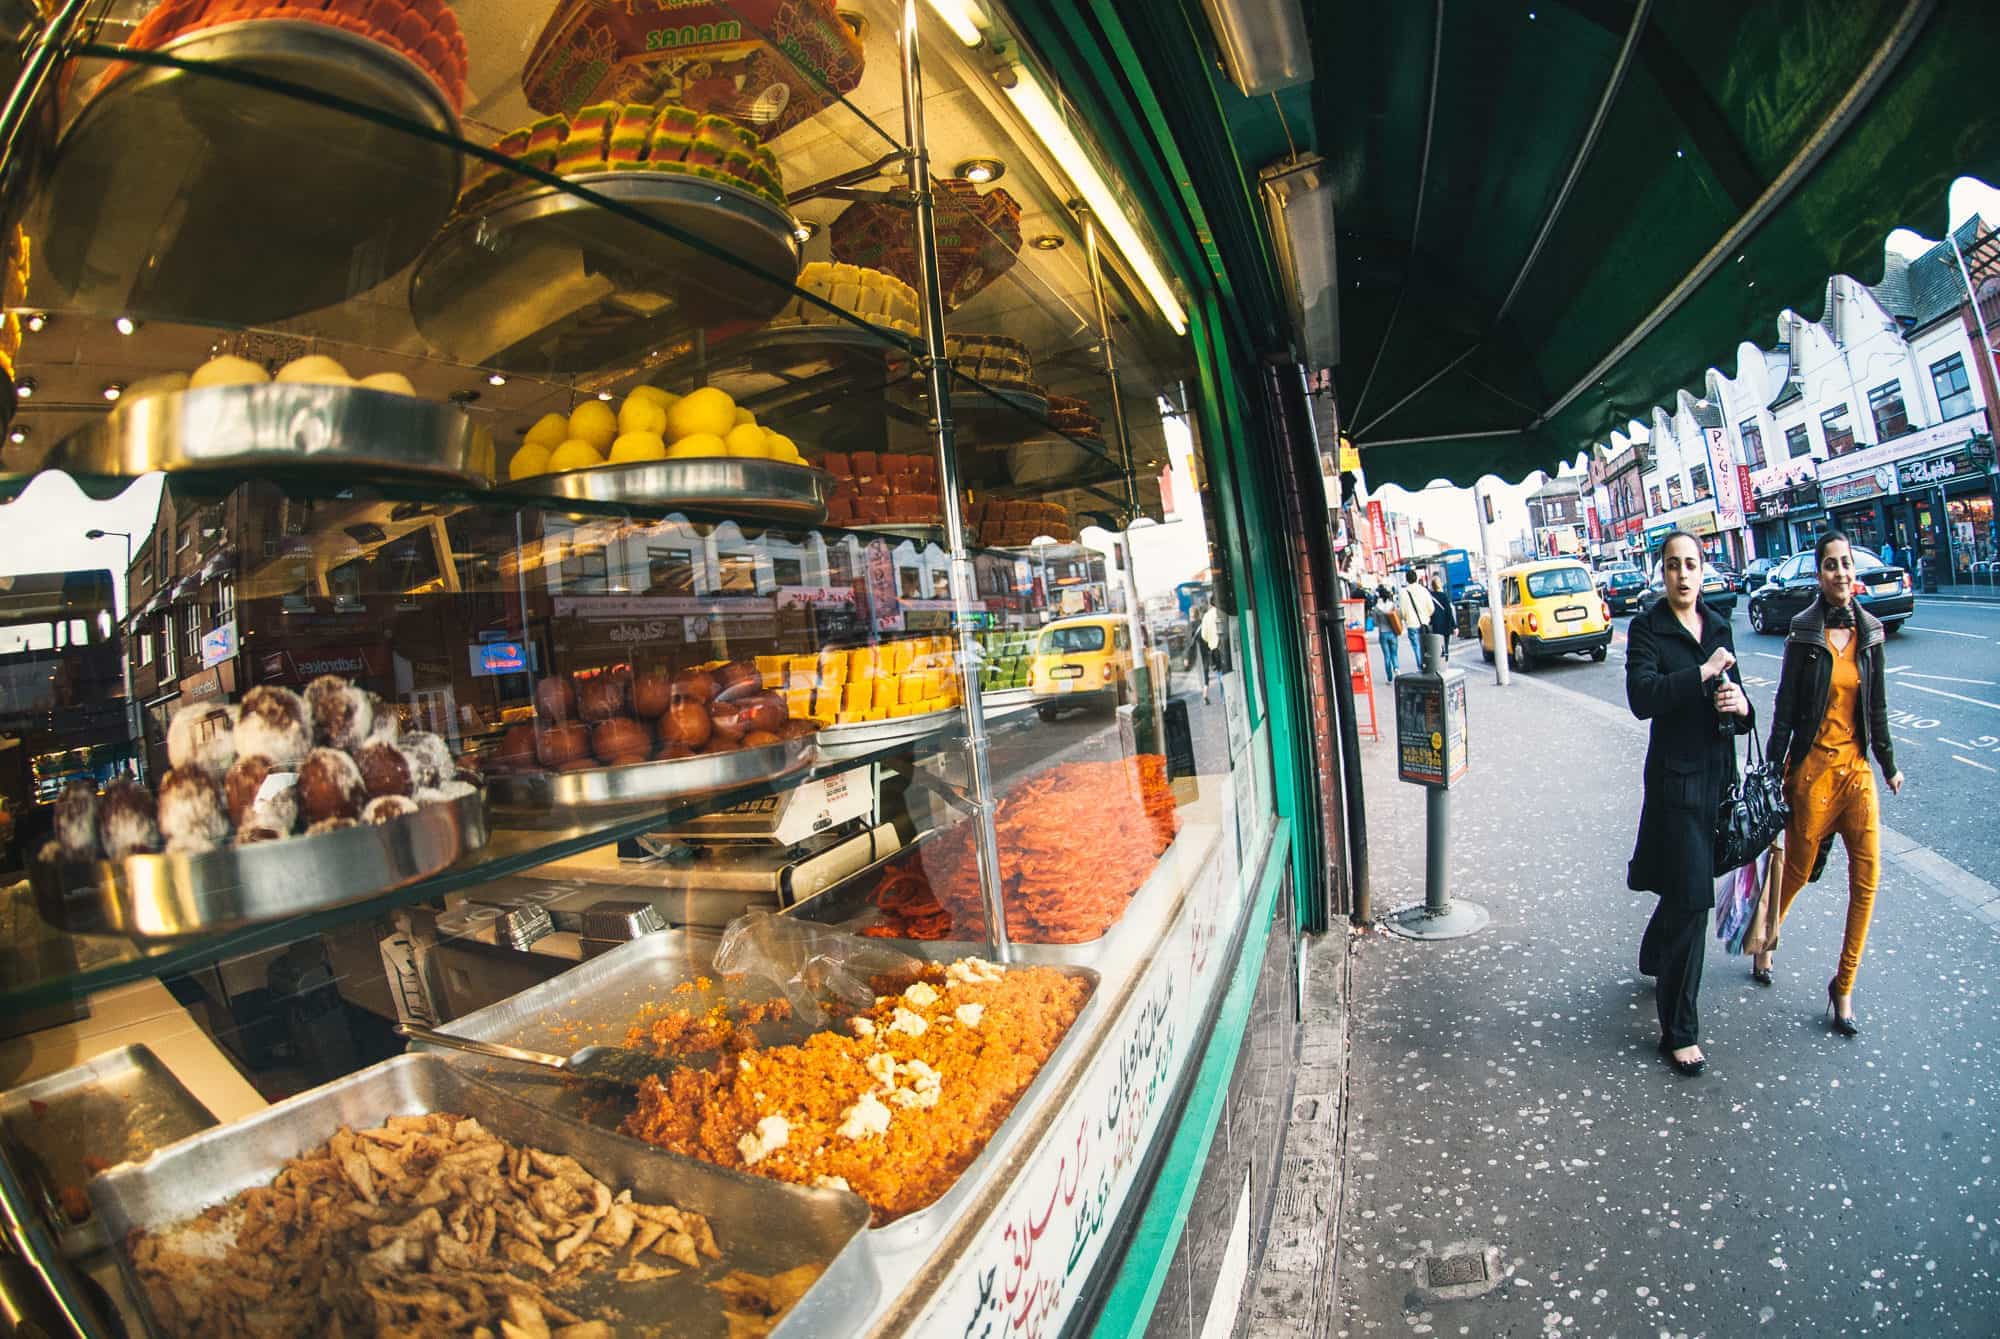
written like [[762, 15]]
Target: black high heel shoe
[[1687, 1069], [1761, 975], [1849, 1026]]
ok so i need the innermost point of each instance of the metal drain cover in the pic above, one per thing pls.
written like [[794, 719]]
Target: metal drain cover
[[1458, 1270], [1455, 1271]]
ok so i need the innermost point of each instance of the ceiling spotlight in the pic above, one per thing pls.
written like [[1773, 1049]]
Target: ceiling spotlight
[[126, 325], [19, 435], [1048, 241], [804, 230], [604, 395], [495, 379], [979, 171], [25, 388], [35, 322], [113, 389]]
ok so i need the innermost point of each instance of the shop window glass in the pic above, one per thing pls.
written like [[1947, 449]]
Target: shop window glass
[[1653, 495], [1954, 388], [1839, 432], [1676, 494], [1753, 443], [1698, 477], [1885, 406], [1797, 443]]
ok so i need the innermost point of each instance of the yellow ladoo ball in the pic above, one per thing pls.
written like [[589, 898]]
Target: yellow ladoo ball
[[550, 431], [395, 383], [744, 416], [575, 454], [228, 370], [663, 398], [783, 448], [707, 410], [640, 414], [593, 422], [315, 369], [697, 444], [747, 439], [632, 446], [530, 460]]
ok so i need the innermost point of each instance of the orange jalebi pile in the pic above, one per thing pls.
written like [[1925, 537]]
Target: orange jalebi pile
[[1076, 842]]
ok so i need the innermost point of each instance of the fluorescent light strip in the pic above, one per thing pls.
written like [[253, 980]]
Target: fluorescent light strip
[[965, 19], [1049, 126]]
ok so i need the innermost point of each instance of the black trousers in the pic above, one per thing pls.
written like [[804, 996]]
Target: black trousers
[[1671, 952]]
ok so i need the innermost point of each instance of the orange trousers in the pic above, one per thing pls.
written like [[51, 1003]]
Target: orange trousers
[[1828, 795]]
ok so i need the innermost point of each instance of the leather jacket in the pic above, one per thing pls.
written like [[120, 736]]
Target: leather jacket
[[1807, 678]]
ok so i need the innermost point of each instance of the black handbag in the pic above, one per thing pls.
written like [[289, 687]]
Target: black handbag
[[1752, 813]]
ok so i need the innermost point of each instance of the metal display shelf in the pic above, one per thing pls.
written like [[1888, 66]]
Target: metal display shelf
[[192, 197], [737, 484], [550, 281], [649, 782]]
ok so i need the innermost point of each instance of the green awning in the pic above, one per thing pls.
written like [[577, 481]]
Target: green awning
[[1555, 214]]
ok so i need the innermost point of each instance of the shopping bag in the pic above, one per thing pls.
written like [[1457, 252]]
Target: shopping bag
[[1735, 898], [1761, 934]]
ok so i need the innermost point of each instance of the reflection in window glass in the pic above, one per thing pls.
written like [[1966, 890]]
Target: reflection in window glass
[[1558, 581], [1073, 641]]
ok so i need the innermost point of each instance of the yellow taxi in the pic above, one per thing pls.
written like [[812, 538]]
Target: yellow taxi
[[1552, 609], [1088, 659]]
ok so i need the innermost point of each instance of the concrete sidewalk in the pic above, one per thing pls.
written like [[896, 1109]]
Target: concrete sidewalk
[[1515, 1157]]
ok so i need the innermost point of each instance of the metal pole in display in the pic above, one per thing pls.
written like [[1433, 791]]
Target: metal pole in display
[[1092, 257], [1481, 499], [986, 840]]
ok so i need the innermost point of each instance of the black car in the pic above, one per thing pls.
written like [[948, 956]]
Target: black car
[[1884, 591], [1716, 592], [1621, 585], [1758, 572]]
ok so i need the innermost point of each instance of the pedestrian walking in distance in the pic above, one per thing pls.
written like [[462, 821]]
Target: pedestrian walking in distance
[[1388, 630], [1680, 674], [1416, 606], [1209, 638], [1832, 712]]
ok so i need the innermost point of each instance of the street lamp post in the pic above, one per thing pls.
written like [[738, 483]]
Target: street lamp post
[[132, 730]]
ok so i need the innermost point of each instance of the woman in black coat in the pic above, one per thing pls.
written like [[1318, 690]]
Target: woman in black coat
[[1680, 674]]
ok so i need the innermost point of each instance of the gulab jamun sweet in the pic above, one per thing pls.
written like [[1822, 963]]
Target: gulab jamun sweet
[[603, 697], [698, 684], [559, 745], [203, 735], [342, 715], [192, 815], [686, 721], [386, 769], [330, 786], [621, 740], [652, 693], [555, 698], [128, 821], [272, 723]]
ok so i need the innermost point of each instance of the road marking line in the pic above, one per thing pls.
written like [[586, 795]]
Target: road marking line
[[1956, 697], [1767, 655], [1980, 765], [1947, 632], [1895, 669], [1946, 678], [1955, 743]]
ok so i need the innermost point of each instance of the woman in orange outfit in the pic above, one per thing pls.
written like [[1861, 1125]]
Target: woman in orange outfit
[[1833, 712]]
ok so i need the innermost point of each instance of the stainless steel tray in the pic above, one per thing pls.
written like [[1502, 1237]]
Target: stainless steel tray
[[894, 727], [549, 281], [916, 533], [1013, 699], [194, 198], [787, 348], [737, 484], [998, 416], [634, 783], [846, 906], [597, 1001], [174, 896], [120, 1107], [351, 429], [762, 1226]]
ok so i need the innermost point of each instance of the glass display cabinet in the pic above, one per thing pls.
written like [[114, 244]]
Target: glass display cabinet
[[676, 526]]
